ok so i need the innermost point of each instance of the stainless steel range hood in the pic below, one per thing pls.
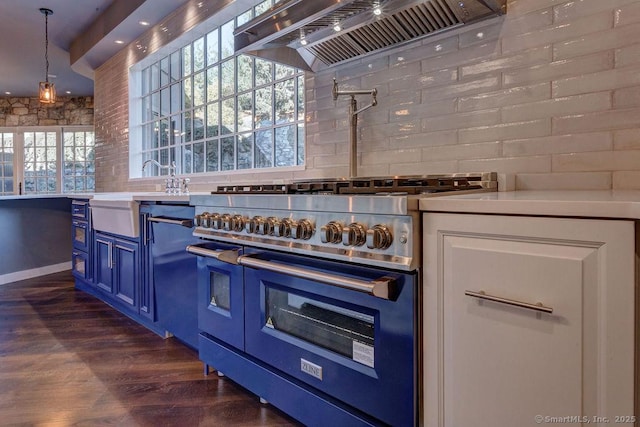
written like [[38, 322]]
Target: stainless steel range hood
[[301, 32]]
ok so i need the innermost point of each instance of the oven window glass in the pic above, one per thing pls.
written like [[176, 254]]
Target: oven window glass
[[219, 290], [343, 331]]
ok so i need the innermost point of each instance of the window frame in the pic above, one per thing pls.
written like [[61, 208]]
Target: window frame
[[140, 122], [18, 158]]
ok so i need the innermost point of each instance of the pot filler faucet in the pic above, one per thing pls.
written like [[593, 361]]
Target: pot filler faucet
[[173, 185], [353, 121]]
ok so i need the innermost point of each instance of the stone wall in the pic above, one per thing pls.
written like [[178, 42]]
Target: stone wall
[[30, 112]]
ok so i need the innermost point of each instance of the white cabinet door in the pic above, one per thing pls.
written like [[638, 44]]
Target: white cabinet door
[[489, 363]]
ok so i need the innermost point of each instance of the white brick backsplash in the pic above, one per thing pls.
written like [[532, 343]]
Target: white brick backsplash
[[586, 103], [596, 42], [596, 161], [627, 12], [508, 164], [600, 141], [391, 157], [469, 55], [521, 7], [599, 61], [626, 180], [626, 139], [611, 79], [529, 57], [564, 181], [519, 24], [461, 120], [505, 97], [480, 85], [550, 92], [629, 97], [529, 129], [572, 10], [409, 112], [483, 150], [423, 168], [606, 120], [429, 139], [559, 32], [628, 55]]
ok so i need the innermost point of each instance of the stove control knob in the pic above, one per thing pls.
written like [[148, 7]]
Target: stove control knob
[[198, 220], [237, 222], [225, 220], [266, 227], [331, 233], [253, 224], [379, 237], [354, 234], [282, 228], [215, 221], [302, 229]]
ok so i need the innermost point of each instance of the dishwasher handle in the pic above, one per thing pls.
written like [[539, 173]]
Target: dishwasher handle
[[383, 287], [175, 221]]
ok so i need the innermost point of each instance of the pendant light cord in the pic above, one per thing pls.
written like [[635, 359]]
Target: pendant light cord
[[46, 45]]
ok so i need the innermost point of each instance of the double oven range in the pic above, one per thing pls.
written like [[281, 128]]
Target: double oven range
[[308, 293]]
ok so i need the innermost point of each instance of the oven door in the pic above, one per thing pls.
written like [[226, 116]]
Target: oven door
[[356, 347], [220, 293]]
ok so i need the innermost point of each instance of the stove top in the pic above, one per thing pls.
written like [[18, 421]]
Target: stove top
[[418, 184], [374, 221]]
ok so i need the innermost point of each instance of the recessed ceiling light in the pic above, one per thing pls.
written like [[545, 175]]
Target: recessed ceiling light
[[337, 28], [119, 42], [68, 92], [144, 23], [7, 93]]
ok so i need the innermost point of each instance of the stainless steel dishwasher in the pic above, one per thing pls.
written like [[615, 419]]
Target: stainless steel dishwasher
[[172, 270]]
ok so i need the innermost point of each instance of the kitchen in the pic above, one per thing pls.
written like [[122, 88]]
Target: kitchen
[[546, 96]]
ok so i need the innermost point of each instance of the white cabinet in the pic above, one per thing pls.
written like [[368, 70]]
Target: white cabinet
[[488, 363]]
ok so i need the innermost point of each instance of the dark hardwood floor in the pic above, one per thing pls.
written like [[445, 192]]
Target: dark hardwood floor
[[67, 358]]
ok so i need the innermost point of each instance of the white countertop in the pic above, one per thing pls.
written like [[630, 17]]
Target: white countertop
[[151, 196], [596, 204]]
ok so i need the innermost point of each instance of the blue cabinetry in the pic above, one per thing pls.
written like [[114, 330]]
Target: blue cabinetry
[[114, 268], [82, 236], [118, 269]]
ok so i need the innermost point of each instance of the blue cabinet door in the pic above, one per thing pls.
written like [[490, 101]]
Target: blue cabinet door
[[125, 269], [103, 262]]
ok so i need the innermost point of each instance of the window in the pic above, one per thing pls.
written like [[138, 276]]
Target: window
[[79, 172], [210, 110], [38, 162], [6, 163]]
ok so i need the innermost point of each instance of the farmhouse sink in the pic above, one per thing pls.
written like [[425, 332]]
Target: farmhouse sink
[[116, 213]]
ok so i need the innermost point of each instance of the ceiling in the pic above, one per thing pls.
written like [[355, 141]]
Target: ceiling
[[93, 24]]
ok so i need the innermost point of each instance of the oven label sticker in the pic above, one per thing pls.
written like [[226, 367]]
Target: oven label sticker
[[363, 353], [311, 369]]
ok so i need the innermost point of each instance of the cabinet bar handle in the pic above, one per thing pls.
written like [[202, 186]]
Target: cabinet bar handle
[[536, 307]]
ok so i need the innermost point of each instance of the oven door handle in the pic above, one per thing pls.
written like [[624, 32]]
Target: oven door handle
[[383, 287], [230, 256], [182, 222]]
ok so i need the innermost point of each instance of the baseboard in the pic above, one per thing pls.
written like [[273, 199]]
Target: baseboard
[[34, 272]]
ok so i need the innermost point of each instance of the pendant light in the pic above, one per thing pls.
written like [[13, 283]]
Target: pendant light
[[47, 91]]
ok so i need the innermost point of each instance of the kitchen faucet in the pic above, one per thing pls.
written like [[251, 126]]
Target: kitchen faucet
[[353, 121], [173, 185]]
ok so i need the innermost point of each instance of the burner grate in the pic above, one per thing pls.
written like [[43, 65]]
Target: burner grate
[[377, 185]]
